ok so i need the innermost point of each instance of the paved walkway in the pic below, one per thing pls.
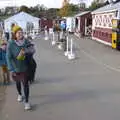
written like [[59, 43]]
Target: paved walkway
[[85, 89]]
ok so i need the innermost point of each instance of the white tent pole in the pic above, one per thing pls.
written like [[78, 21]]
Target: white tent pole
[[67, 44], [71, 51], [53, 39], [46, 35], [53, 36], [71, 55], [67, 49]]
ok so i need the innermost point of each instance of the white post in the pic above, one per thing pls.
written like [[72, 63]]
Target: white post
[[61, 35], [86, 26], [71, 55], [71, 51], [53, 40], [60, 47], [46, 35], [67, 51], [53, 36]]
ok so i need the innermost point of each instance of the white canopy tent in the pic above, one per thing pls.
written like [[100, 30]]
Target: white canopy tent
[[22, 19]]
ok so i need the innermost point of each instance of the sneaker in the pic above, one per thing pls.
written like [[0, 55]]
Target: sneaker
[[20, 98], [27, 106]]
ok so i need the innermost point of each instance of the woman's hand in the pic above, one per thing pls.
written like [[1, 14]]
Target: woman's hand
[[21, 55], [22, 52]]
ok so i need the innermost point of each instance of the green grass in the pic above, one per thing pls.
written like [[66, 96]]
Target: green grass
[[4, 17]]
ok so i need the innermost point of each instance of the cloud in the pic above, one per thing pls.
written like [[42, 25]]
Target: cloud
[[47, 3], [4, 0]]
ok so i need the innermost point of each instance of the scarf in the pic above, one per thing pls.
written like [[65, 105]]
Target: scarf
[[20, 42]]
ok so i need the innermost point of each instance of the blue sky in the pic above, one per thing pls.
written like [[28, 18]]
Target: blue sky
[[47, 3]]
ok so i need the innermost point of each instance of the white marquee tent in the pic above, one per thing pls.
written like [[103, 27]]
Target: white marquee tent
[[22, 19]]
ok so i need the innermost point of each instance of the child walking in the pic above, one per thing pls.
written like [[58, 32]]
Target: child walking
[[5, 77]]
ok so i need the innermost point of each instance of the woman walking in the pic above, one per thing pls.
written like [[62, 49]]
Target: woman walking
[[16, 60]]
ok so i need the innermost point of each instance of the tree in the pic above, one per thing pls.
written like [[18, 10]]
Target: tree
[[68, 10], [39, 7], [39, 10], [82, 6], [64, 10], [24, 9], [65, 2], [95, 5], [52, 13]]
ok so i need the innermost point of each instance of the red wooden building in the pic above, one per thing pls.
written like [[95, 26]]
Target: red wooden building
[[83, 23], [46, 22], [102, 23]]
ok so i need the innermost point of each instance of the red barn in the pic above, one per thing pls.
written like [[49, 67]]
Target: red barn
[[46, 22], [102, 23], [83, 21]]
